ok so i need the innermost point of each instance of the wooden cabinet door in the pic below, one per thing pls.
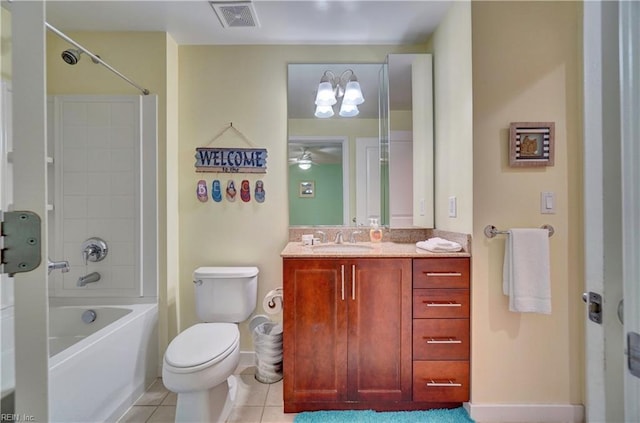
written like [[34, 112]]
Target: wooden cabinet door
[[315, 331], [379, 313]]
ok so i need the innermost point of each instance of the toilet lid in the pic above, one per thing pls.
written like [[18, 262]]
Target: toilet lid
[[201, 343]]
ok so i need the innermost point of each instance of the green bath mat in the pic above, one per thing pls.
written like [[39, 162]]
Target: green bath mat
[[456, 415]]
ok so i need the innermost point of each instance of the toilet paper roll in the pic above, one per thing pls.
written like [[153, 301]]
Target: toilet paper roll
[[272, 303]]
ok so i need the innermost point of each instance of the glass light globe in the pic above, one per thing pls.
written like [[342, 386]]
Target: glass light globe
[[324, 112]]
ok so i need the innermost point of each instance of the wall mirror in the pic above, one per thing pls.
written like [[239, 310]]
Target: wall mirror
[[342, 155]]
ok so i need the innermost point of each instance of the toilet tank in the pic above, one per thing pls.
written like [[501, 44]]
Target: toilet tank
[[225, 294]]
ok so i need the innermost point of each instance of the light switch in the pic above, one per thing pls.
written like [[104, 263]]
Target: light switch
[[453, 207], [547, 203]]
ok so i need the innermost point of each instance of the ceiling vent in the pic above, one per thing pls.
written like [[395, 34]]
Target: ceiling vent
[[236, 14]]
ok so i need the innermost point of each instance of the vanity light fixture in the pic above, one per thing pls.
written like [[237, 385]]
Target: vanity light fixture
[[332, 87]]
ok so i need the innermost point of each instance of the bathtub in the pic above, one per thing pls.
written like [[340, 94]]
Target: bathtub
[[97, 370]]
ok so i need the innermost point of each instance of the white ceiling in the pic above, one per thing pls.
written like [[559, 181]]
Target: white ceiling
[[280, 22]]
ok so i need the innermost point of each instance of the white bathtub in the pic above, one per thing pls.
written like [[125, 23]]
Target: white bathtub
[[97, 370]]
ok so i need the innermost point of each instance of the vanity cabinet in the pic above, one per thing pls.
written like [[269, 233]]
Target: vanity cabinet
[[347, 333], [441, 331]]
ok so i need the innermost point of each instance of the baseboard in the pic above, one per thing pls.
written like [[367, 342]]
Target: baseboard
[[548, 413]]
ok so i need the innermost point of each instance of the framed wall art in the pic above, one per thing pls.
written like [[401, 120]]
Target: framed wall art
[[307, 189], [531, 144]]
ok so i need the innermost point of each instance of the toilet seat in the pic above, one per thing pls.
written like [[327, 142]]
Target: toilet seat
[[202, 345]]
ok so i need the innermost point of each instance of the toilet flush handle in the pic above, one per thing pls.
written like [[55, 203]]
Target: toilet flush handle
[[198, 282]]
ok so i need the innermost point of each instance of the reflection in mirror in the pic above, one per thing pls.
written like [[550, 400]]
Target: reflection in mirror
[[318, 190], [329, 144], [378, 178]]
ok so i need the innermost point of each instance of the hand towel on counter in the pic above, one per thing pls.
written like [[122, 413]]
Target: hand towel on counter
[[439, 245], [526, 273]]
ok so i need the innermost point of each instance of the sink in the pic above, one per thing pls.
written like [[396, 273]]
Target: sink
[[341, 248]]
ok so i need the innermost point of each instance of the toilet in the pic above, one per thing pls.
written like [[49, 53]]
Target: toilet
[[199, 363]]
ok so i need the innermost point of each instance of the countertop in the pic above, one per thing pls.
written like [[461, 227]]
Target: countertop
[[295, 249]]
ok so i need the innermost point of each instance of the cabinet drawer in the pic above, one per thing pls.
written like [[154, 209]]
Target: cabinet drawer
[[441, 339], [440, 303], [441, 381], [441, 273]]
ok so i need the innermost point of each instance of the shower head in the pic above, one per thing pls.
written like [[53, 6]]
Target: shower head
[[72, 56]]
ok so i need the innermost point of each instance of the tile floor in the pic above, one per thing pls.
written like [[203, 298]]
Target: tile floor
[[255, 403]]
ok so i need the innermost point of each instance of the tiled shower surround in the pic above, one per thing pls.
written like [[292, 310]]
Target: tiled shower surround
[[96, 193]]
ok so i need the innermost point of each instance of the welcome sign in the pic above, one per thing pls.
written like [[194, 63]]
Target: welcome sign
[[231, 160]]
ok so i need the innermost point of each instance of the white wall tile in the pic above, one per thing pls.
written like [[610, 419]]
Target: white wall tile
[[99, 184], [74, 230], [98, 160], [98, 194], [122, 183], [75, 159], [122, 206], [74, 113], [122, 136], [99, 207], [75, 183], [122, 230], [122, 254], [98, 114], [123, 277], [99, 227], [74, 136], [72, 252], [122, 160], [122, 114], [74, 207], [99, 137]]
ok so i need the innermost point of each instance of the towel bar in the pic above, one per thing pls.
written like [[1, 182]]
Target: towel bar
[[491, 231]]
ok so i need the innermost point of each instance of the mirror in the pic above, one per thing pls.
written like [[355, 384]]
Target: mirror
[[406, 141], [341, 155]]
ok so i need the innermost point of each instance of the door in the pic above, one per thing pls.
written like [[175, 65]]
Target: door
[[27, 156], [629, 16], [315, 331], [379, 303], [612, 242], [367, 180], [401, 179]]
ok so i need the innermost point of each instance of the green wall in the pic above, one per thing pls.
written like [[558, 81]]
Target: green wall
[[325, 208]]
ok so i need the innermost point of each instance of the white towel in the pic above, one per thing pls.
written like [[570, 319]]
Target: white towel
[[439, 245], [526, 273]]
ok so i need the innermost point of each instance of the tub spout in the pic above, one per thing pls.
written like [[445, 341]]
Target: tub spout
[[90, 278]]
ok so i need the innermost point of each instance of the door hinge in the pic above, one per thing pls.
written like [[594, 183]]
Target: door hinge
[[20, 243], [633, 351]]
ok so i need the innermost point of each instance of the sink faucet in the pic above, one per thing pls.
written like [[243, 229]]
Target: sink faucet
[[339, 238], [323, 236], [352, 236], [87, 279]]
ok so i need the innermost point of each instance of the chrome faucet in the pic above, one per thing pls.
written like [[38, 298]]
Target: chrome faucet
[[62, 265], [94, 249], [352, 236], [339, 238], [87, 279], [323, 236]]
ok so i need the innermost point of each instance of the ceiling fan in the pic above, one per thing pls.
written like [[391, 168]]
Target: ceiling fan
[[303, 161]]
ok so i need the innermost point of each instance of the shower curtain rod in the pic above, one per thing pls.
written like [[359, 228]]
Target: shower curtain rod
[[93, 56]]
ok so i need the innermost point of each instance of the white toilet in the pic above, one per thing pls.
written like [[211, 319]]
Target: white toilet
[[199, 363]]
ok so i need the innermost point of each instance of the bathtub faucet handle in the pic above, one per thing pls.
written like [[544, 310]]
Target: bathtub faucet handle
[[94, 249]]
